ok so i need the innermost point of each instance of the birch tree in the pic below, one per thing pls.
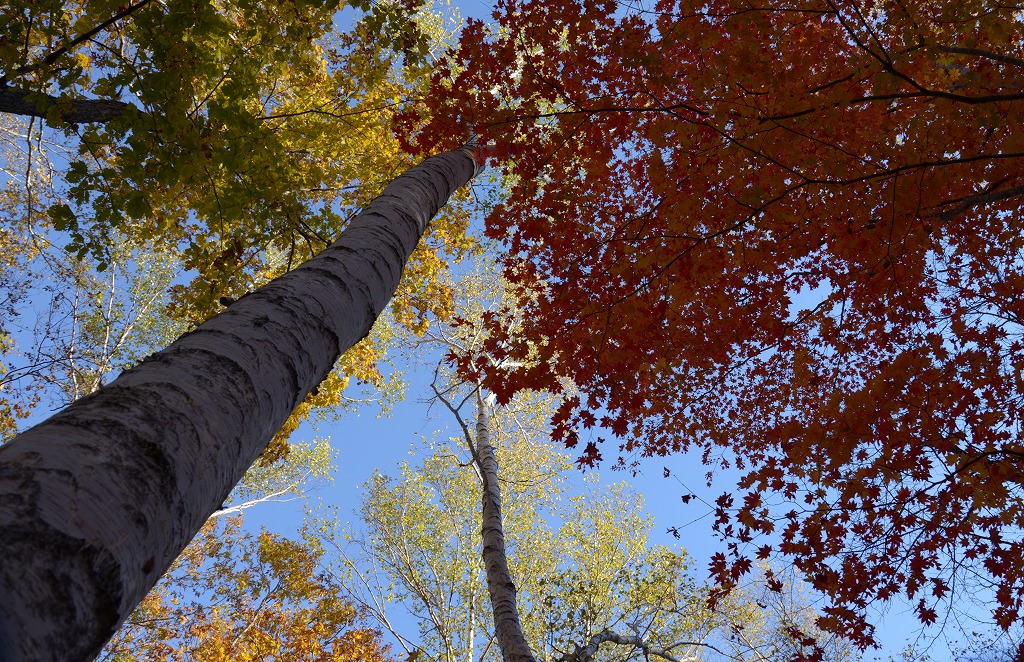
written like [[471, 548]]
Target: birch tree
[[98, 500], [588, 579], [249, 135]]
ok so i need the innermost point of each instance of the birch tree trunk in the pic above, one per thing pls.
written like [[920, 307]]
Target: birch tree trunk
[[507, 628], [97, 501]]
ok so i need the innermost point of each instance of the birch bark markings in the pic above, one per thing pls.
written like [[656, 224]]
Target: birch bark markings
[[507, 628], [97, 501]]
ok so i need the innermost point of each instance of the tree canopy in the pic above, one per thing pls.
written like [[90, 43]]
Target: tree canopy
[[785, 236], [234, 595], [233, 144], [127, 169], [581, 557]]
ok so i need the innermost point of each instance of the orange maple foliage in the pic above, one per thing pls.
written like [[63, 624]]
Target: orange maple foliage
[[787, 234], [234, 596]]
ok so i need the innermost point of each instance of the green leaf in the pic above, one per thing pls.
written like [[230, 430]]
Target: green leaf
[[63, 219]]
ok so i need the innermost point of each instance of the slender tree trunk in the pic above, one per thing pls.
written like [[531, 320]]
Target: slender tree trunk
[[502, 590], [97, 501]]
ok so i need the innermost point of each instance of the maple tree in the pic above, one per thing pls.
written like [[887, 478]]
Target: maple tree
[[235, 595], [493, 514], [785, 236]]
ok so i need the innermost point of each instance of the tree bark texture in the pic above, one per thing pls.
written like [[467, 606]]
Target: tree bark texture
[[98, 501], [79, 111], [508, 630]]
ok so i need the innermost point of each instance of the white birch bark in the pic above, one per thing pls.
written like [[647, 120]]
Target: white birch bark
[[507, 628], [97, 501]]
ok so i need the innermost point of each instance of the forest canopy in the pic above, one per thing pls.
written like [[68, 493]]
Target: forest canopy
[[784, 238]]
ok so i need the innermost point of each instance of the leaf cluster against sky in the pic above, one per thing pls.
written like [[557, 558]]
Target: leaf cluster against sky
[[786, 235]]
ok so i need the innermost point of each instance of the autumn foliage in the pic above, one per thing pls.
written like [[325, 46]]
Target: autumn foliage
[[236, 596], [238, 140], [786, 236]]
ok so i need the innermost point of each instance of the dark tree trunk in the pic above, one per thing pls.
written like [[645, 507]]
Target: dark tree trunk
[[97, 501]]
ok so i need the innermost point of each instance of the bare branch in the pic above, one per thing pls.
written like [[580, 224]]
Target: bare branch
[[268, 498], [996, 57], [981, 199], [586, 653]]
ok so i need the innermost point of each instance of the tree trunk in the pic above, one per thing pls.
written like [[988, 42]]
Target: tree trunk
[[97, 501], [508, 630]]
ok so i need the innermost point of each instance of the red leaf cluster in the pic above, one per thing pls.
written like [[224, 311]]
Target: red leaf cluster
[[789, 232]]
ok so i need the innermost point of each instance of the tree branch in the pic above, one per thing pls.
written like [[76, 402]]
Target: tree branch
[[85, 36], [16, 101], [271, 497], [586, 653], [981, 199], [1005, 59]]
